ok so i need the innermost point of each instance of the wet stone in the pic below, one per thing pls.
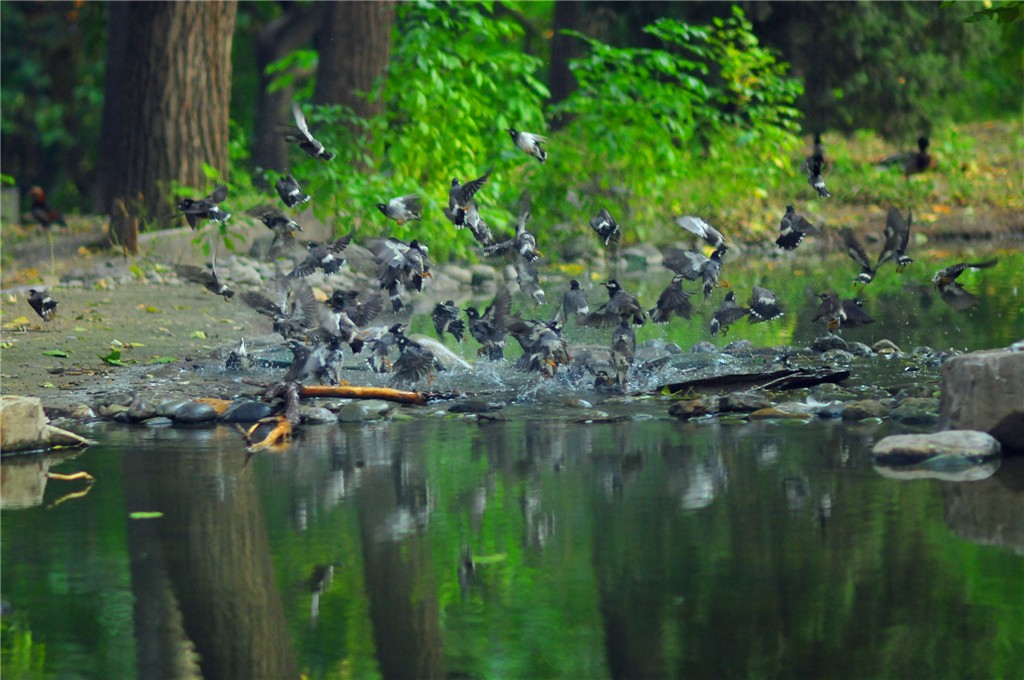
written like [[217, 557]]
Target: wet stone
[[693, 408], [167, 409], [365, 410], [858, 349], [911, 449], [864, 408], [141, 410], [122, 417], [885, 347], [704, 347], [195, 412], [82, 412], [739, 347], [827, 342], [831, 392], [158, 421], [917, 411], [246, 411], [111, 410], [745, 402], [831, 410], [317, 415], [474, 406], [837, 356]]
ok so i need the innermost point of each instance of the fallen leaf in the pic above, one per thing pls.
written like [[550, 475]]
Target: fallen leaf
[[48, 385], [82, 250], [17, 323], [79, 329], [55, 353], [114, 358], [136, 270], [143, 514], [194, 335]]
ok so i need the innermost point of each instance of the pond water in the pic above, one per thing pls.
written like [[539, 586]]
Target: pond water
[[547, 539], [537, 545]]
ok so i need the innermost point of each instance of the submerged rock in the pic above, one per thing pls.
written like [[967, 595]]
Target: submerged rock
[[827, 342], [864, 408], [693, 408], [917, 411], [858, 349], [954, 455], [744, 402], [985, 391], [885, 347], [364, 410], [316, 415]]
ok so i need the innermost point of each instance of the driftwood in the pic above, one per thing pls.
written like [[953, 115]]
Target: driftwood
[[356, 392]]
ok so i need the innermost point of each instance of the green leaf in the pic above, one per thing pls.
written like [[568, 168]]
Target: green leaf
[[197, 335], [143, 514], [55, 353], [114, 358]]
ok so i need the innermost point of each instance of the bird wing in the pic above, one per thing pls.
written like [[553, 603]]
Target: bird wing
[[462, 193], [855, 250], [954, 295], [687, 263], [339, 245], [855, 314], [701, 228], [367, 311], [300, 122], [194, 274], [219, 193]]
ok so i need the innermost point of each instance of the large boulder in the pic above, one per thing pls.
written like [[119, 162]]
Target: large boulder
[[24, 427], [954, 456], [985, 391]]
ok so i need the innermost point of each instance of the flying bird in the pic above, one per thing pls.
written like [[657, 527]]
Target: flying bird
[[289, 191], [727, 314], [897, 235], [208, 278], [952, 293], [488, 328], [459, 196], [415, 361], [857, 253], [44, 305], [324, 256], [792, 229], [304, 139], [815, 165], [673, 300], [405, 264], [606, 228], [695, 266], [206, 208], [764, 306], [402, 209], [838, 313], [530, 143], [696, 225], [447, 318], [544, 348], [621, 306]]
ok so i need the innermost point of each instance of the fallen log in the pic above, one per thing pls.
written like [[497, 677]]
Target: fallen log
[[358, 392]]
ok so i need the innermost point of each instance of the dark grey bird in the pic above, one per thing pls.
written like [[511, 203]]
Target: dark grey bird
[[323, 256], [764, 306], [207, 208], [673, 300], [488, 328], [606, 228], [343, 316], [43, 304], [727, 314], [284, 228], [403, 209], [459, 196], [623, 351], [529, 280], [293, 308], [471, 219], [857, 253], [695, 266], [574, 301], [897, 236], [952, 293], [792, 229], [621, 306], [839, 313], [415, 361], [544, 348], [530, 143], [290, 192], [815, 165], [523, 243], [316, 361], [402, 264], [447, 318], [381, 348], [911, 162], [304, 139], [206, 277]]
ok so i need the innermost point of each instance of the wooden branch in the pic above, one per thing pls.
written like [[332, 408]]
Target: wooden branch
[[355, 392]]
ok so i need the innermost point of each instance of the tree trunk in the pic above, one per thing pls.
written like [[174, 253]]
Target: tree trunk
[[275, 40], [563, 48], [171, 114], [354, 50]]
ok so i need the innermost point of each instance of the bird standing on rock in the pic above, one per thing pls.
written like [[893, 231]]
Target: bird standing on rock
[[530, 143], [952, 293], [623, 351]]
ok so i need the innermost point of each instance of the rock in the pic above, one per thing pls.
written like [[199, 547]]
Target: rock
[[917, 411], [111, 410], [316, 415], [140, 409], [23, 427], [885, 347], [953, 455], [837, 356], [831, 392], [693, 408], [364, 410], [827, 342], [858, 349], [474, 406], [744, 402], [122, 417], [158, 421], [703, 347], [195, 412], [864, 408], [82, 412], [741, 347], [924, 391], [246, 411], [985, 391], [167, 409], [782, 411]]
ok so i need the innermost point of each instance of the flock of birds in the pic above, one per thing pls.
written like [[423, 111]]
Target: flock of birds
[[316, 331]]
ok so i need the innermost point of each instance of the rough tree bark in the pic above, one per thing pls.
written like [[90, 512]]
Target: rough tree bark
[[168, 106], [355, 48], [563, 48]]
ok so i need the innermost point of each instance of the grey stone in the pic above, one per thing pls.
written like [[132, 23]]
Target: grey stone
[[864, 408], [111, 410], [140, 409], [858, 349], [953, 455], [703, 347], [316, 415], [831, 392], [985, 391], [195, 412], [364, 410], [82, 412], [837, 356], [167, 409], [158, 421], [917, 411], [885, 347], [463, 276], [246, 411], [742, 347], [692, 408], [744, 401], [122, 417], [827, 342]]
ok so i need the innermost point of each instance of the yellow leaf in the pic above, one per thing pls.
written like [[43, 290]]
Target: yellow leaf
[[82, 250], [17, 323]]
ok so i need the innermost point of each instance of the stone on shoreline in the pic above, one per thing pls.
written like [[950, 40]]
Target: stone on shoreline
[[864, 408], [917, 411], [195, 412], [985, 391], [953, 455]]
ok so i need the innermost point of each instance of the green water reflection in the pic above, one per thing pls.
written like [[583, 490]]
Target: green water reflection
[[643, 548]]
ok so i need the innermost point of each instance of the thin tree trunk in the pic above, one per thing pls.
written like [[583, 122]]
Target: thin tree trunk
[[173, 109]]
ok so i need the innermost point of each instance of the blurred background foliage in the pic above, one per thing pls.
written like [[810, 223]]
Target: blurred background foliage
[[672, 107]]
